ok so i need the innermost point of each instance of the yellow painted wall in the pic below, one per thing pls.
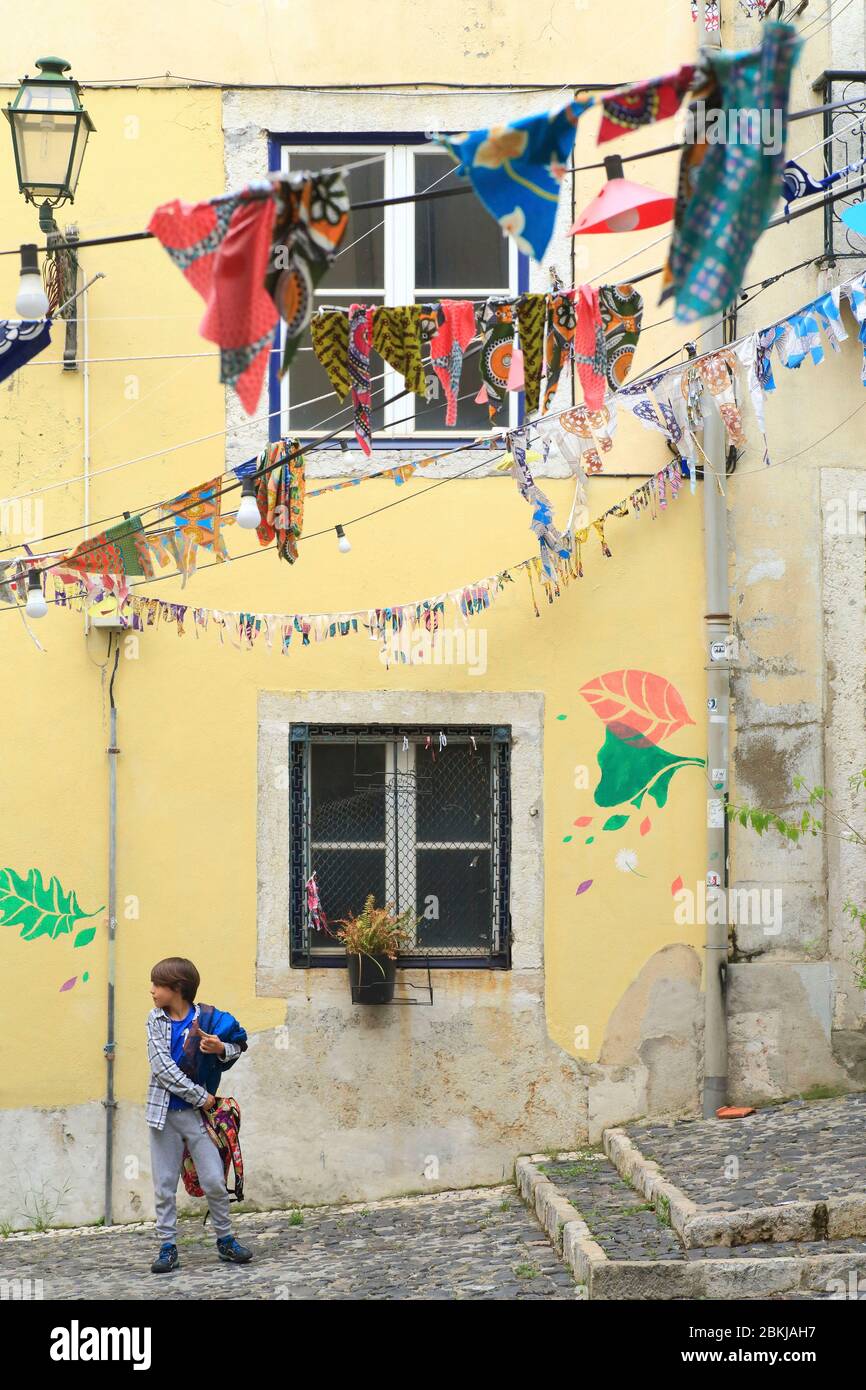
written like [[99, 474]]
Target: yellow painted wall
[[187, 730]]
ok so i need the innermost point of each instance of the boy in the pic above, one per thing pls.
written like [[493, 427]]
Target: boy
[[186, 1065]]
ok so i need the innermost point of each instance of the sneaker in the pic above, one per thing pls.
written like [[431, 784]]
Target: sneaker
[[166, 1259], [230, 1249]]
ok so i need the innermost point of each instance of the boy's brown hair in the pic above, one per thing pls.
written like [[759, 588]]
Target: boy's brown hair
[[176, 972]]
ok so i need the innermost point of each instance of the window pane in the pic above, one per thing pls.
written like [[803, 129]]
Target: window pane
[[459, 882], [458, 246], [361, 265], [454, 799], [347, 801], [345, 877], [308, 379]]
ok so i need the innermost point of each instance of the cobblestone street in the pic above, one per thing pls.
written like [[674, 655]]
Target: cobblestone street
[[477, 1244]]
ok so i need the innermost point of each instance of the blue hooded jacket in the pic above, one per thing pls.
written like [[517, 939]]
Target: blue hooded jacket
[[206, 1068]]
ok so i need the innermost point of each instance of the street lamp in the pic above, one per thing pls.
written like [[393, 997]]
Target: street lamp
[[49, 135]]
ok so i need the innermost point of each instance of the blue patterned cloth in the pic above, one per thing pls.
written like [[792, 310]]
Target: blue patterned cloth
[[517, 169], [730, 173], [21, 339]]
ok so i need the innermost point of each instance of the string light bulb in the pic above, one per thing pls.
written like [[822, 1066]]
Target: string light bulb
[[248, 512], [35, 607], [31, 302], [344, 545]]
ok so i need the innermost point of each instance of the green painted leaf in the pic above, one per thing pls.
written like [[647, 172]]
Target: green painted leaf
[[614, 822], [38, 909], [85, 936], [632, 768]]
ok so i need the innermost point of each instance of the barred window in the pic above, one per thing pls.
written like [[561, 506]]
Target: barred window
[[420, 819]]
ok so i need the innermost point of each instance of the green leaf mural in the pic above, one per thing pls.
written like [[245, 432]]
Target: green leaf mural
[[632, 768], [39, 909]]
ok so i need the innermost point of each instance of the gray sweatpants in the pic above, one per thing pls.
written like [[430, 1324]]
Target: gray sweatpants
[[166, 1161]]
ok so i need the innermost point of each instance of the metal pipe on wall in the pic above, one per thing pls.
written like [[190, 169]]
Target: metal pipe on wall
[[717, 626], [110, 1044]]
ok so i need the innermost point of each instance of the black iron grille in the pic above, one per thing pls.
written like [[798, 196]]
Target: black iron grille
[[421, 824]]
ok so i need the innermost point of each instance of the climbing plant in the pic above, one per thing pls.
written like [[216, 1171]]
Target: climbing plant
[[810, 823]]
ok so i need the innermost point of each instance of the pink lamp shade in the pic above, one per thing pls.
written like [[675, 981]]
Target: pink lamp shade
[[623, 206]]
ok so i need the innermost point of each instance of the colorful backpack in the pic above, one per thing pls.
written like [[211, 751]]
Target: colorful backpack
[[223, 1124]]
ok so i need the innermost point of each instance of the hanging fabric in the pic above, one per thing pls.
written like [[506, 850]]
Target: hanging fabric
[[329, 330], [196, 516], [222, 248], [728, 187], [360, 329], [21, 340], [643, 103], [454, 333], [397, 339], [550, 541], [531, 313], [717, 372], [590, 353], [122, 549], [312, 213], [280, 490], [497, 347], [559, 340], [516, 171], [621, 308]]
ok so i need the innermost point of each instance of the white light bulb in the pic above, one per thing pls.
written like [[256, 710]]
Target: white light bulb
[[624, 221], [35, 607], [248, 512], [31, 302], [344, 545]]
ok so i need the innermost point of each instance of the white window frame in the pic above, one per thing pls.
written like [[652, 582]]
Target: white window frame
[[399, 288]]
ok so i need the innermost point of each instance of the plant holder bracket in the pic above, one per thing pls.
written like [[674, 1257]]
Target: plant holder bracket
[[406, 1000]]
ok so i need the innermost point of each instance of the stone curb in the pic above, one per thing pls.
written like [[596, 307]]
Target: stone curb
[[563, 1222], [835, 1218], [732, 1279]]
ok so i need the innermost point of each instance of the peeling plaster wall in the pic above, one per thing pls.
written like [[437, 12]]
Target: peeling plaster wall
[[796, 1015]]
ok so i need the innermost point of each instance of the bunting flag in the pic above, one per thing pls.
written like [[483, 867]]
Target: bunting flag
[[621, 308], [516, 171], [122, 549], [455, 331], [21, 340], [222, 247], [397, 339], [497, 348], [643, 103], [329, 330], [729, 172], [559, 562], [312, 213], [197, 524]]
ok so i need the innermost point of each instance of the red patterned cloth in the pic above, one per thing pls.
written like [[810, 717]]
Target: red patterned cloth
[[223, 247], [223, 1124], [590, 353], [643, 103]]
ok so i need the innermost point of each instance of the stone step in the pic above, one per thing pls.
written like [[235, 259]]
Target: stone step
[[792, 1172], [620, 1247]]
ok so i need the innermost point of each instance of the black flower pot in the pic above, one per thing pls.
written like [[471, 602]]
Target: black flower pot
[[371, 978]]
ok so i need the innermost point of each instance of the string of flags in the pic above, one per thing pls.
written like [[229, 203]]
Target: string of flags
[[398, 627], [668, 401]]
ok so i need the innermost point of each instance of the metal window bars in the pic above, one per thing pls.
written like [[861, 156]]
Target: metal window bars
[[421, 818], [844, 143]]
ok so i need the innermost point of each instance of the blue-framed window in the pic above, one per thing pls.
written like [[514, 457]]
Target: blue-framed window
[[408, 253]]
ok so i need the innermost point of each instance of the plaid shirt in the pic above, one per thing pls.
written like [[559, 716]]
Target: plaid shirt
[[166, 1075]]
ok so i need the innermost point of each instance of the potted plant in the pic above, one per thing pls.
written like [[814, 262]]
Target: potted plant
[[372, 940]]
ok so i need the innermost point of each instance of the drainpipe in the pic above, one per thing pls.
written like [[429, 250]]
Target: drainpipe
[[717, 626], [110, 1102]]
